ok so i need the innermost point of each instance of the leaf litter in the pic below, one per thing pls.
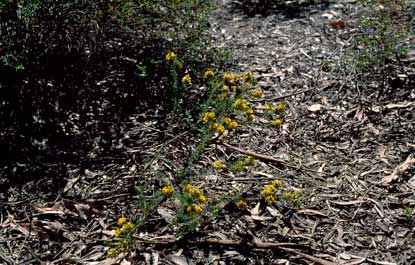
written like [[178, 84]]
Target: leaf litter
[[348, 145]]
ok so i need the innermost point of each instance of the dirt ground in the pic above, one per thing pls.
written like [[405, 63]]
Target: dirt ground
[[348, 142]]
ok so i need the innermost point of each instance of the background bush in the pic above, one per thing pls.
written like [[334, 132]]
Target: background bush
[[74, 70], [384, 28]]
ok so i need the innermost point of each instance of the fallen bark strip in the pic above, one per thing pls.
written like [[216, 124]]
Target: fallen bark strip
[[285, 247], [308, 257]]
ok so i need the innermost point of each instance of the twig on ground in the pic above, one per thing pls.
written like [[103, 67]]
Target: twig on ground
[[269, 158], [260, 156]]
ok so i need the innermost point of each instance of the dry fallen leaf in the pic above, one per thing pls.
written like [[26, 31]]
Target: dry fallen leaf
[[315, 107], [255, 210], [338, 24], [178, 260]]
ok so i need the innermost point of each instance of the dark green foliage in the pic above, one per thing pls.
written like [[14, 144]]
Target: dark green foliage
[[72, 71], [384, 28]]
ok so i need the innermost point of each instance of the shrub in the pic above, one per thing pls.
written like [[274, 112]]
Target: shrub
[[383, 28], [73, 67]]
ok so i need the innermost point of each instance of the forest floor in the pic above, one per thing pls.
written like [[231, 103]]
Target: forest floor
[[347, 141]]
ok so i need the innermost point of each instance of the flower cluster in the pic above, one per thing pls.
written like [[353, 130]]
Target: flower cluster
[[229, 92], [187, 79], [208, 74], [241, 204], [293, 196], [242, 164], [218, 164], [269, 191], [194, 197], [209, 116], [240, 104], [124, 229], [257, 93], [216, 127], [228, 122], [170, 57], [277, 122], [248, 77], [276, 112], [167, 191], [210, 119], [226, 92]]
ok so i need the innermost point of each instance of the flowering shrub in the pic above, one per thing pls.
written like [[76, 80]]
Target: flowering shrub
[[123, 234]]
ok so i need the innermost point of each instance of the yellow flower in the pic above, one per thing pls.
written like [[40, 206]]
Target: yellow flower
[[227, 121], [241, 204], [267, 191], [240, 104], [220, 129], [213, 126], [112, 253], [234, 125], [272, 187], [170, 56], [218, 164], [250, 114], [208, 116], [249, 111], [124, 246], [240, 165], [269, 199], [127, 227], [227, 77], [226, 89], [194, 209], [197, 209], [225, 95], [236, 78], [187, 79], [117, 232], [208, 74], [121, 220], [248, 76], [276, 122], [280, 107], [268, 107], [257, 93], [196, 192], [250, 160], [238, 89], [216, 127], [188, 188], [294, 195], [167, 191], [277, 183], [202, 199], [130, 226]]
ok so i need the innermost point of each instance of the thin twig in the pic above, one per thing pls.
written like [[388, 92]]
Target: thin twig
[[269, 158]]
